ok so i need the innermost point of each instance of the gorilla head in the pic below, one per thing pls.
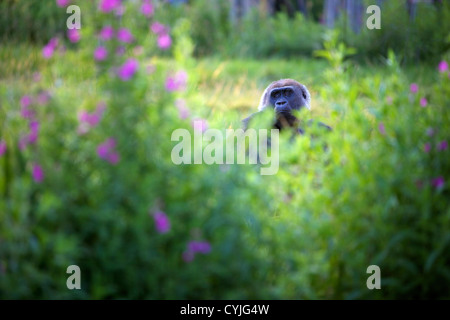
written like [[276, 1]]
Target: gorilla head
[[285, 97]]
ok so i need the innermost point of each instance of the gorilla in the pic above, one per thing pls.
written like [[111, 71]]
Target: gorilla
[[285, 97]]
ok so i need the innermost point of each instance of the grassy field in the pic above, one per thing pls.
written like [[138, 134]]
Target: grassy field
[[372, 192]]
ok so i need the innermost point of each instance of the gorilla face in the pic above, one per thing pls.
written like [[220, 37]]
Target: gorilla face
[[285, 99]]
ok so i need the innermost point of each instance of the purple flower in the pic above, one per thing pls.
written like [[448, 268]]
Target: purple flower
[[430, 132], [109, 5], [38, 173], [162, 222], [427, 147], [194, 247], [124, 35], [47, 52], [147, 9], [34, 132], [199, 246], [381, 128], [200, 125], [443, 66], [113, 157], [128, 69], [414, 88], [438, 182], [92, 119], [120, 10], [25, 101], [183, 111], [164, 41], [73, 35], [2, 147], [106, 151], [158, 28], [53, 42], [100, 53], [62, 3], [43, 97], [443, 145], [423, 102], [25, 112], [177, 82], [106, 33]]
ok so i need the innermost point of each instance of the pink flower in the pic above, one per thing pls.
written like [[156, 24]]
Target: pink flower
[[443, 66], [25, 112], [109, 5], [91, 119], [73, 35], [158, 28], [438, 182], [164, 41], [194, 247], [25, 101], [199, 246], [106, 151], [47, 52], [414, 87], [113, 157], [182, 109], [120, 10], [2, 147], [38, 173], [100, 53], [106, 33], [43, 97], [147, 9], [128, 69], [124, 35], [62, 3], [162, 222], [53, 42], [200, 125], [381, 128], [177, 82], [423, 102], [427, 147], [34, 132], [443, 145]]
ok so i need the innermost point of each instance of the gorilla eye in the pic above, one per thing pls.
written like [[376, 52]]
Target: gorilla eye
[[288, 92], [276, 94]]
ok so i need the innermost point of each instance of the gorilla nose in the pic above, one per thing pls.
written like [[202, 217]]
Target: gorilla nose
[[281, 103]]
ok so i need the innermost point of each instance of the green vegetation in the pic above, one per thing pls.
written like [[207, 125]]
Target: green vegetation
[[94, 186]]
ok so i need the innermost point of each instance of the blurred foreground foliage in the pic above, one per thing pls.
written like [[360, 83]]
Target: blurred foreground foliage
[[371, 196]]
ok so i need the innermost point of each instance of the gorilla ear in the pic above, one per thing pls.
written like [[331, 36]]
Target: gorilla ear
[[306, 96], [264, 100]]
